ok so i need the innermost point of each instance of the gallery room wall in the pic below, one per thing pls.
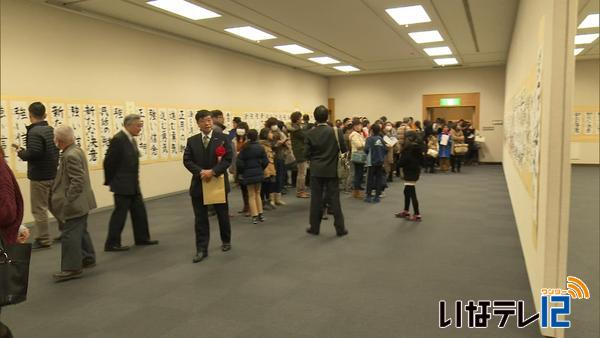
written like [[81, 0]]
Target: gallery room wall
[[399, 95], [587, 96], [48, 52], [536, 153]]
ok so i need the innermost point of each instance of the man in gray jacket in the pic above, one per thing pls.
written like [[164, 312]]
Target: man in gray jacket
[[71, 200]]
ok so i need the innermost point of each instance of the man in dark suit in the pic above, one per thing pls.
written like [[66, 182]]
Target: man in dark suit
[[323, 145], [121, 173], [200, 159]]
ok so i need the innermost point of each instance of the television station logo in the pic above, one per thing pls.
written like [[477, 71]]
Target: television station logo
[[554, 303]]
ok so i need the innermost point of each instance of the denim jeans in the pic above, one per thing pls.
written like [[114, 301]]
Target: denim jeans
[[359, 171]]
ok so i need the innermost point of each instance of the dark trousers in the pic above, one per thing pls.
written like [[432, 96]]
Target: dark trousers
[[410, 194], [456, 161], [397, 164], [244, 189], [325, 189], [281, 173], [267, 188], [359, 172], [429, 163], [202, 227], [294, 177], [76, 244], [375, 180], [139, 219]]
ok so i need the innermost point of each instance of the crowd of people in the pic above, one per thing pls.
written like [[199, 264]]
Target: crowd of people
[[319, 159], [362, 156]]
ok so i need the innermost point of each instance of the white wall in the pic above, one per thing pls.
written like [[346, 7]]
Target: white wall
[[551, 25], [398, 95], [47, 52], [587, 94]]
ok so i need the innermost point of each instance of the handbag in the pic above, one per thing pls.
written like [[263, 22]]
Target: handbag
[[461, 148], [290, 159], [359, 156], [342, 164], [14, 273]]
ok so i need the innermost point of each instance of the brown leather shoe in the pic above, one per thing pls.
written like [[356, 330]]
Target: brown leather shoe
[[66, 275]]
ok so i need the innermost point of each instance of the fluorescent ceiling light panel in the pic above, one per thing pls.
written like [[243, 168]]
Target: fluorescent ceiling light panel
[[184, 8], [446, 61], [583, 39], [324, 60], [590, 21], [250, 33], [294, 49], [426, 36], [435, 51], [408, 15], [347, 69], [578, 50]]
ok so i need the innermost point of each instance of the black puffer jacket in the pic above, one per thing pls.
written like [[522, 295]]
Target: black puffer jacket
[[251, 163], [410, 161], [41, 153]]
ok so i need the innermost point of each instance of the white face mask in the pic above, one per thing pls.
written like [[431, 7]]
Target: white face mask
[[274, 127], [240, 132], [388, 128]]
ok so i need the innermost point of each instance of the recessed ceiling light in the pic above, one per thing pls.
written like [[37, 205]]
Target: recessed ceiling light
[[583, 39], [426, 36], [347, 69], [294, 49], [324, 60], [184, 8], [408, 15], [578, 50], [250, 33], [446, 61], [590, 21], [435, 51]]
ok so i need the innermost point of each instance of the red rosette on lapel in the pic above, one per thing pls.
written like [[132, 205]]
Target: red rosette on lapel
[[220, 152]]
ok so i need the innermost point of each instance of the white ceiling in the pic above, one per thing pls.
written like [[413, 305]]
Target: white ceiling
[[591, 51], [356, 32]]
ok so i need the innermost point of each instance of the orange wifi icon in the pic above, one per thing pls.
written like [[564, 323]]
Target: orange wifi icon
[[577, 288]]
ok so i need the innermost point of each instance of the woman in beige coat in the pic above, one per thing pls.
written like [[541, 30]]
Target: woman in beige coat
[[357, 143], [458, 139], [268, 186]]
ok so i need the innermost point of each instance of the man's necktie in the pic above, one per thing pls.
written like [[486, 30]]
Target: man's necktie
[[205, 141]]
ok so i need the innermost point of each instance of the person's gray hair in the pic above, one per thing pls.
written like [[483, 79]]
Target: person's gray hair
[[64, 134], [131, 118]]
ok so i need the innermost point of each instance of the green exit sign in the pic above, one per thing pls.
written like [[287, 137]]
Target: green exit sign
[[453, 101]]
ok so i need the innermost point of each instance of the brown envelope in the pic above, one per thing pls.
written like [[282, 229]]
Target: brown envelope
[[213, 191]]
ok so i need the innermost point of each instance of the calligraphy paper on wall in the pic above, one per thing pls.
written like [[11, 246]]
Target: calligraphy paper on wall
[[76, 122], [163, 137], [153, 134], [173, 136], [142, 138], [92, 146], [105, 128], [4, 136], [20, 120], [182, 130], [57, 114]]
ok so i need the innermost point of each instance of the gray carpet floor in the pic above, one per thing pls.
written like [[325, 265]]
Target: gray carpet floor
[[383, 280], [584, 249]]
